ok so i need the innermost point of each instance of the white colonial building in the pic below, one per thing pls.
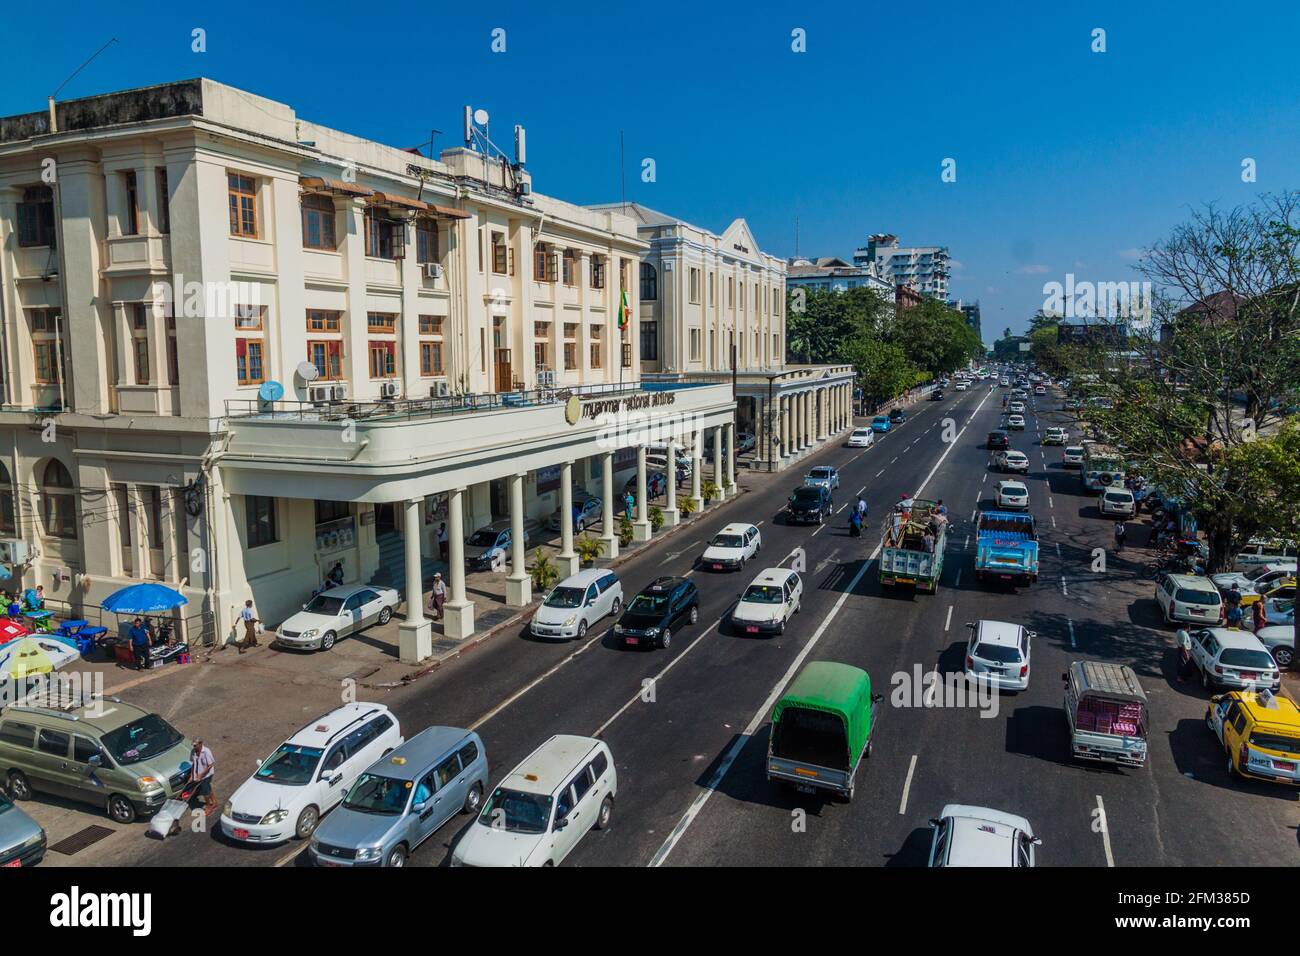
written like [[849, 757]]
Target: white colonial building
[[238, 347]]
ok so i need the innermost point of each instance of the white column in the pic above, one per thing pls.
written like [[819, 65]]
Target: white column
[[415, 633], [717, 462], [731, 456], [671, 515], [458, 613], [697, 469], [519, 586], [785, 426], [610, 506], [641, 526], [822, 412], [567, 560]]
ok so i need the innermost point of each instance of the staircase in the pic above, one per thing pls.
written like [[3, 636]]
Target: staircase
[[391, 572]]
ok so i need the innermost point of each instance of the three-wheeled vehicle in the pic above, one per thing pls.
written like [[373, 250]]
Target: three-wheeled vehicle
[[1106, 709], [821, 728]]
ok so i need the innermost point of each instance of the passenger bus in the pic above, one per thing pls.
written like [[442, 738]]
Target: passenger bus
[[1103, 465]]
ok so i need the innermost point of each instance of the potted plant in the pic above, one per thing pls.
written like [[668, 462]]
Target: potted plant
[[588, 548], [656, 518], [708, 491], [686, 506], [543, 572], [624, 531]]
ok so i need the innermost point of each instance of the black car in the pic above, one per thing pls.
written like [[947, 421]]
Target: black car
[[936, 395], [651, 616], [811, 504], [999, 439], [897, 416]]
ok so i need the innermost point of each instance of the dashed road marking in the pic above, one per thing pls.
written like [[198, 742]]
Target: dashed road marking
[[948, 620], [1105, 831], [1073, 645], [907, 786]]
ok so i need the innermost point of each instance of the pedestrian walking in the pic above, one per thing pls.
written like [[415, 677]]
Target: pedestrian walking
[[250, 622], [442, 541], [855, 524], [202, 766], [437, 595], [1121, 532], [1259, 617], [862, 508]]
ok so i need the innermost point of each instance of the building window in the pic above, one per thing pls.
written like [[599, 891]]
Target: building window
[[36, 217], [712, 283], [650, 341], [173, 353], [327, 356], [259, 520], [383, 358], [649, 282], [58, 503], [431, 345], [695, 345], [731, 292], [321, 320], [598, 272], [570, 260], [500, 258], [243, 205], [140, 342], [8, 525], [250, 347], [46, 325], [426, 240], [318, 218], [164, 203], [131, 215], [694, 281], [595, 340], [382, 322], [542, 345], [385, 238], [570, 346]]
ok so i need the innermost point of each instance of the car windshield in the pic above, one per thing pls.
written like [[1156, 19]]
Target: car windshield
[[727, 541], [516, 812], [806, 497], [880, 419], [1016, 456], [1266, 741], [566, 597], [1118, 496], [328, 606], [141, 739], [860, 432], [819, 473], [291, 765], [1193, 596], [375, 794], [1245, 657], [1014, 489], [483, 539], [999, 653], [763, 594], [1258, 573], [648, 604]]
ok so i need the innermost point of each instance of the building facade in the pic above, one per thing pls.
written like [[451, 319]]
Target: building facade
[[239, 347], [835, 275], [923, 268]]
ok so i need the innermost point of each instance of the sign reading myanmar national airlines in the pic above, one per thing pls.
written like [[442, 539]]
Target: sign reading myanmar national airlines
[[615, 406]]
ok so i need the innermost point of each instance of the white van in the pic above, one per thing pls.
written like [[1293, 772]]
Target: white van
[[539, 812], [1260, 551]]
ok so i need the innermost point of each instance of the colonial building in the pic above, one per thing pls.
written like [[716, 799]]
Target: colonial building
[[831, 274], [923, 268], [713, 310], [239, 347]]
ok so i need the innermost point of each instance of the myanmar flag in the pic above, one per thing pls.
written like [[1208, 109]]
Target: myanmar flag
[[624, 311]]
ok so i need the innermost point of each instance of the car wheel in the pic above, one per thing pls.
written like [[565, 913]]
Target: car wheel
[[1283, 656], [581, 527], [780, 627], [605, 813], [307, 821], [666, 639], [385, 615], [582, 629], [19, 787], [327, 641], [695, 613], [396, 857], [616, 607], [1205, 679], [120, 809], [473, 799]]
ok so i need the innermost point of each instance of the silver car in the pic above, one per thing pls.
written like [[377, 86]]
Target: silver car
[[22, 841], [335, 613]]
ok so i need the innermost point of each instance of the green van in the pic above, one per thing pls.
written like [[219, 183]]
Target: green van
[[821, 728], [99, 751]]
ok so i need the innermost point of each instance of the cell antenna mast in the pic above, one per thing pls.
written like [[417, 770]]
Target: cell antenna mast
[[53, 121]]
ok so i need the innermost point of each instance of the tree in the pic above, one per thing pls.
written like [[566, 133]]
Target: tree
[[935, 338], [820, 321], [882, 368]]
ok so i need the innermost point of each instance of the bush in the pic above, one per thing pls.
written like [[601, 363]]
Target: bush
[[656, 517], [686, 506], [624, 531], [543, 572], [708, 490], [589, 548]]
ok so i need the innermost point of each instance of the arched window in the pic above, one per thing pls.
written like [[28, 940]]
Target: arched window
[[7, 523], [649, 283], [58, 502]]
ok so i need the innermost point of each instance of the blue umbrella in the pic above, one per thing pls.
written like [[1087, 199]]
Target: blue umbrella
[[144, 599]]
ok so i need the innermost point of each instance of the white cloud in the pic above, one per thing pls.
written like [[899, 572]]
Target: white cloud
[[1036, 269]]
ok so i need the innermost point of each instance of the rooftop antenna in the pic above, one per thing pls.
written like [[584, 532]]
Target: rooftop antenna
[[54, 123]]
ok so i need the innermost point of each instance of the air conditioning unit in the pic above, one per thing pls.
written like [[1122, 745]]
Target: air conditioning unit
[[545, 378], [440, 389], [324, 394], [388, 389], [339, 392], [433, 270], [15, 551]]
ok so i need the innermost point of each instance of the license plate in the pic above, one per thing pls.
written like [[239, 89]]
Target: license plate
[[1247, 676], [631, 640], [717, 567], [1005, 577], [751, 629], [1282, 765], [241, 834]]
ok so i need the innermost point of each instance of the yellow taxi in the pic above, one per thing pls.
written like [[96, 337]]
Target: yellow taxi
[[1284, 589], [1260, 732]]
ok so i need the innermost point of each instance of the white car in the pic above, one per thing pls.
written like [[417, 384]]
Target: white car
[[1072, 457], [335, 613], [1012, 460], [1279, 640], [766, 606], [576, 603], [1016, 422], [1117, 501], [539, 812], [998, 653], [1040, 390], [961, 386], [1013, 494], [1231, 658], [1190, 598], [978, 836], [732, 547], [1258, 579], [1016, 407], [862, 438], [1056, 436], [309, 774]]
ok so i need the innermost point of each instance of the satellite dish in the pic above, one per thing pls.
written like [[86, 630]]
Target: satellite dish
[[481, 117], [271, 391], [308, 372]]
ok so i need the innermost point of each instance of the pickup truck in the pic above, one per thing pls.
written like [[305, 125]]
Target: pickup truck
[[1006, 547], [823, 475], [1106, 708], [905, 556]]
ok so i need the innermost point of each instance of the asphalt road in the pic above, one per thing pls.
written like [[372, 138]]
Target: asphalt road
[[692, 790]]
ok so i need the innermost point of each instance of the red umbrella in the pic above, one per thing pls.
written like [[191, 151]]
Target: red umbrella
[[9, 630]]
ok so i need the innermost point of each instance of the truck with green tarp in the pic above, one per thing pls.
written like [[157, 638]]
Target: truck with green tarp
[[821, 728]]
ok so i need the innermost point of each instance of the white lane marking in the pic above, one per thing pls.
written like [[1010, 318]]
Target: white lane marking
[[1073, 645], [841, 508], [1064, 589], [1050, 502], [985, 478], [957, 583], [1058, 549], [880, 472], [974, 513], [818, 531], [965, 544], [894, 459], [760, 715], [862, 489], [947, 623], [907, 786], [531, 684], [655, 680], [1053, 521], [1105, 831]]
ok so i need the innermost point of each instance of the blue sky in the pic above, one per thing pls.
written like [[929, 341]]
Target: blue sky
[[1067, 160]]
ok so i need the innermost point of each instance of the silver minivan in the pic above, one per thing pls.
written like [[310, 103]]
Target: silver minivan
[[402, 799]]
